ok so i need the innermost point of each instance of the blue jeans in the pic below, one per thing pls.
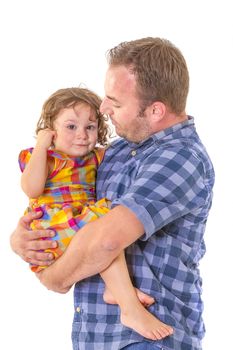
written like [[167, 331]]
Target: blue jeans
[[142, 346]]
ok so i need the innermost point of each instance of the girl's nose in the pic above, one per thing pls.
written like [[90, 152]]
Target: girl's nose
[[81, 134]]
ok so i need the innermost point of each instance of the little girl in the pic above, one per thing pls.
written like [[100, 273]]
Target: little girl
[[59, 178]]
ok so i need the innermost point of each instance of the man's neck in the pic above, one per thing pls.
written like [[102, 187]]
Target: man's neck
[[171, 119]]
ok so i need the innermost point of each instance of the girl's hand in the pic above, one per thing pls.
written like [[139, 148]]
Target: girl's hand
[[45, 138], [28, 244]]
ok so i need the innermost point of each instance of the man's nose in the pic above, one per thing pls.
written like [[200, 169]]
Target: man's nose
[[105, 107]]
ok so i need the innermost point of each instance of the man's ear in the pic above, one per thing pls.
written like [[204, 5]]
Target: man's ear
[[158, 111]]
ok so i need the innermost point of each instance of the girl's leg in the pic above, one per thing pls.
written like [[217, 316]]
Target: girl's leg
[[133, 313]]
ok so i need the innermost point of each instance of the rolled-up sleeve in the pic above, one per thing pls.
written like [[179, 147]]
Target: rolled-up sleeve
[[169, 184]]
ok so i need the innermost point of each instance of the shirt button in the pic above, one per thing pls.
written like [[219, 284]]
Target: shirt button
[[133, 153], [78, 309]]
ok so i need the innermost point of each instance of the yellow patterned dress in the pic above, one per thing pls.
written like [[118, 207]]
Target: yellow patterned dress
[[68, 201]]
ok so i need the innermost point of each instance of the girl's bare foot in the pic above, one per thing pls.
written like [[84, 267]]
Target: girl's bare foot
[[144, 323], [135, 316], [144, 298]]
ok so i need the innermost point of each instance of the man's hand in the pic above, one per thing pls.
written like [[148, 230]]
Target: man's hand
[[29, 245]]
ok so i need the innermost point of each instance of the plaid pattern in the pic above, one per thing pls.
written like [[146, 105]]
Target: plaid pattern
[[68, 200], [167, 182]]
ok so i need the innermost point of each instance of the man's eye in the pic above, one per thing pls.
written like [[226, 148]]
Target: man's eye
[[72, 127]]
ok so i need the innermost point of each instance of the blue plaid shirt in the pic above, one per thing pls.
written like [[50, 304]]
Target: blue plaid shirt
[[167, 182]]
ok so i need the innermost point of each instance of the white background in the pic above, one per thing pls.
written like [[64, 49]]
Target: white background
[[47, 45]]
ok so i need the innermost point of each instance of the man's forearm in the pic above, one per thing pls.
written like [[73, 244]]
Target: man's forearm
[[93, 249]]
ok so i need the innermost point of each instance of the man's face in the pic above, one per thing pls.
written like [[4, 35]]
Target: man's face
[[123, 106]]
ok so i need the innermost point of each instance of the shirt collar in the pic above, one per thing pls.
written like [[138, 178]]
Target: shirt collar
[[173, 129], [164, 133]]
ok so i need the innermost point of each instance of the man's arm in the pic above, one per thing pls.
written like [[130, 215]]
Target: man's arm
[[93, 249]]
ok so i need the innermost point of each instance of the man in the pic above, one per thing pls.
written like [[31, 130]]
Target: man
[[159, 179]]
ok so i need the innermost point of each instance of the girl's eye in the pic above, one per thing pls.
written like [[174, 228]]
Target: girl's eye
[[91, 127], [72, 127]]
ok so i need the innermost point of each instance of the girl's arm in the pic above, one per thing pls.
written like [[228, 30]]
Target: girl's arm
[[36, 172]]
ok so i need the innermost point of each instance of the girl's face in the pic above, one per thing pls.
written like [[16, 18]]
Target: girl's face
[[76, 130]]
